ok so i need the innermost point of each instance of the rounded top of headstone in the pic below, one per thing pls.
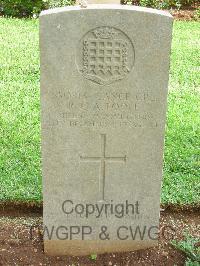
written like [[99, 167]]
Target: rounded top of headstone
[[78, 2], [131, 8]]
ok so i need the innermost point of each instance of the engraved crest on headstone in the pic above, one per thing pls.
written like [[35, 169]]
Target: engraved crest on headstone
[[105, 55]]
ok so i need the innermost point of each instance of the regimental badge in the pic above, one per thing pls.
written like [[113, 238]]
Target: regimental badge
[[105, 55]]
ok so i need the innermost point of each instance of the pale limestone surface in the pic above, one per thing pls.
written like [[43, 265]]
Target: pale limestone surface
[[104, 78], [98, 1]]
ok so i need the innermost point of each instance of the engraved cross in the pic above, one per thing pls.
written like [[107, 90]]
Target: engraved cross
[[103, 159]]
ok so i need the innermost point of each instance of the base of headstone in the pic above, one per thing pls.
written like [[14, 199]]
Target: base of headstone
[[88, 247]]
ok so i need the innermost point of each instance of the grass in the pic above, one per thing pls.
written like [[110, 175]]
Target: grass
[[182, 142], [20, 174], [20, 167], [190, 247]]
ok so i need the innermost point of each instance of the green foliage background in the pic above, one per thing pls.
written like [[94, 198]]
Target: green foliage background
[[29, 8]]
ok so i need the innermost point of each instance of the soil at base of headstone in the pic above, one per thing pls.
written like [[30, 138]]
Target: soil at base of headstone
[[19, 247]]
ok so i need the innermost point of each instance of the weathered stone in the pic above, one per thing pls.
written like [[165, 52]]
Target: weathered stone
[[98, 1], [104, 75]]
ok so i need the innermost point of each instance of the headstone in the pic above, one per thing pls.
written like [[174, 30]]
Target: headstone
[[98, 1], [104, 78]]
